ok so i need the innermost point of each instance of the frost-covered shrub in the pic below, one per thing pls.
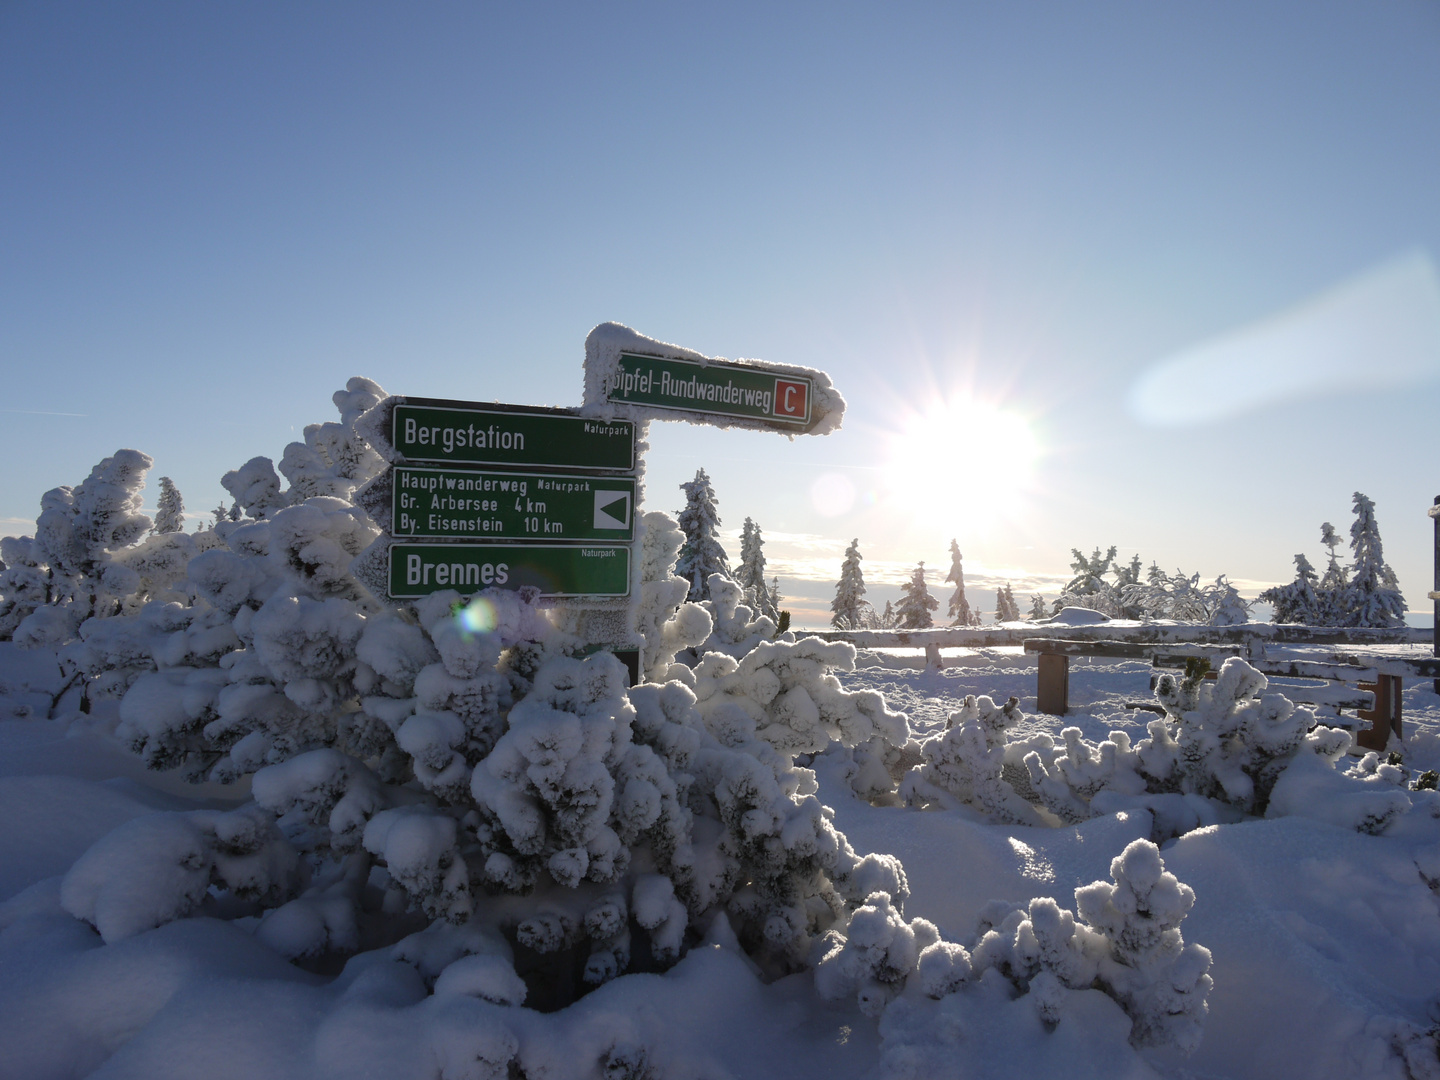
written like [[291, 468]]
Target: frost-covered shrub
[[880, 950], [964, 765], [784, 692], [1126, 941], [1222, 751], [159, 867], [736, 628]]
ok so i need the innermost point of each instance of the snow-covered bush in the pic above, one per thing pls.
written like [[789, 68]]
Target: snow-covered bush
[[736, 627], [448, 761], [1224, 749], [160, 867], [964, 765], [1126, 941]]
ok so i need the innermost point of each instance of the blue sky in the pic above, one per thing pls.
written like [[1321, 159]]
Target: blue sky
[[212, 215]]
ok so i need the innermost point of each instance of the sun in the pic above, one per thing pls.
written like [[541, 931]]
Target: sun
[[961, 464]]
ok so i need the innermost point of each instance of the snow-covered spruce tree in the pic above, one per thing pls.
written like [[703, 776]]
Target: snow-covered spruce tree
[[959, 610], [916, 603], [1088, 588], [1297, 602], [1006, 607], [1183, 599], [885, 619], [171, 515], [1038, 608], [1371, 598], [850, 608], [701, 555], [1335, 581], [668, 624], [750, 574], [221, 515]]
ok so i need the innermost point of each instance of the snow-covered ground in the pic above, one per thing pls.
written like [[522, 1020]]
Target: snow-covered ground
[[1325, 941]]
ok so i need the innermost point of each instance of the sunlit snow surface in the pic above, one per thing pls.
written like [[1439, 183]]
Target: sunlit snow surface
[[1322, 938]]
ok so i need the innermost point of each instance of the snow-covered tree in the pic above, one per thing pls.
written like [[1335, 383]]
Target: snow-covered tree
[[1371, 597], [1006, 607], [750, 574], [668, 624], [916, 603], [80, 528], [959, 611], [1038, 609], [171, 515], [221, 515], [1297, 602], [884, 620], [1334, 582], [701, 554], [1088, 588], [850, 607]]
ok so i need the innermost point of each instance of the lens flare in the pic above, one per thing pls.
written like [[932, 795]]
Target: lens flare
[[478, 616], [832, 495]]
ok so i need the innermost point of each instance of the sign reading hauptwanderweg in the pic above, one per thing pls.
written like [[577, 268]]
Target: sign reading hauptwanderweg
[[460, 432], [742, 390], [470, 504], [568, 570]]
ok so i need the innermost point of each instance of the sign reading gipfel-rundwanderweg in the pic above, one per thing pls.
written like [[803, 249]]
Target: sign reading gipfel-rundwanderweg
[[776, 398]]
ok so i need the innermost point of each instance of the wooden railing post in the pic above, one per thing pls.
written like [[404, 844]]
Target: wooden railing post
[[1385, 718], [1435, 595], [1052, 684]]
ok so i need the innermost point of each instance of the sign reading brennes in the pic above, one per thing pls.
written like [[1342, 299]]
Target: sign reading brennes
[[741, 390], [471, 504], [463, 433], [555, 570]]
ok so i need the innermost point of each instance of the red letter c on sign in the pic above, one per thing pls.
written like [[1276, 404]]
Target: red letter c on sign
[[790, 398]]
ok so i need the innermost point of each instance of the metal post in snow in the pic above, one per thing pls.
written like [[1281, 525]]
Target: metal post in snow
[[1435, 596]]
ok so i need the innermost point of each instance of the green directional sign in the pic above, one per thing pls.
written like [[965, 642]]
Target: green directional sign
[[461, 432], [740, 390], [471, 504], [557, 570]]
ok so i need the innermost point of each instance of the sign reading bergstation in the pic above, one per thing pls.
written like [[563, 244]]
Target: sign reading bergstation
[[741, 390], [473, 434], [475, 504], [557, 570]]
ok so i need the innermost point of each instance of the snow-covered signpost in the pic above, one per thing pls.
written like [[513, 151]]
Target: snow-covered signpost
[[630, 376], [487, 496]]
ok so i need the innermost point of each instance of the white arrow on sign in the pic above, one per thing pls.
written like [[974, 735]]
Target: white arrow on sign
[[612, 509]]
